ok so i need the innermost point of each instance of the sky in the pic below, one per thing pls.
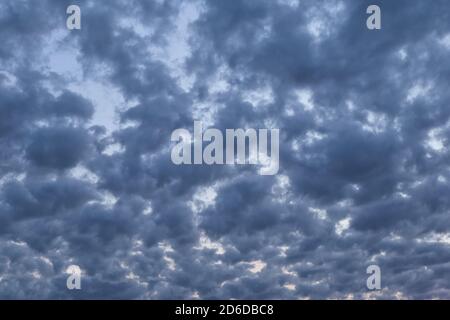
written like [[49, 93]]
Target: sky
[[86, 176]]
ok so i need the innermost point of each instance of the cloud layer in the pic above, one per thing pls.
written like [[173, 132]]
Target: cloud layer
[[85, 170]]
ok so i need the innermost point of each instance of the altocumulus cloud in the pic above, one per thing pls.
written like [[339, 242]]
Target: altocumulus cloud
[[85, 170]]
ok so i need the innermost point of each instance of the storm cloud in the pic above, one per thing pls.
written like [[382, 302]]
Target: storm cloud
[[85, 171]]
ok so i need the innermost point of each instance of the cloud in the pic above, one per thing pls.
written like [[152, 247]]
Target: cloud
[[58, 148], [363, 176]]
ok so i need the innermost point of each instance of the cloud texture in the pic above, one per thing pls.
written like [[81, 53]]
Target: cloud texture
[[85, 170]]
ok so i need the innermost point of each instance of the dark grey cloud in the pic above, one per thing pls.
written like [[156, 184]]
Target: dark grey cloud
[[85, 170], [58, 148]]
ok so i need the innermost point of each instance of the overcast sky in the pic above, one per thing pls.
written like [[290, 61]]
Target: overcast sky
[[85, 171]]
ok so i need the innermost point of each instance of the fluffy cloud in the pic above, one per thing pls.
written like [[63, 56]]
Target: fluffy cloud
[[364, 123]]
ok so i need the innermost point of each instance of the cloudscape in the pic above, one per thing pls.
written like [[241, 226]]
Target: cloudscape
[[361, 117]]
